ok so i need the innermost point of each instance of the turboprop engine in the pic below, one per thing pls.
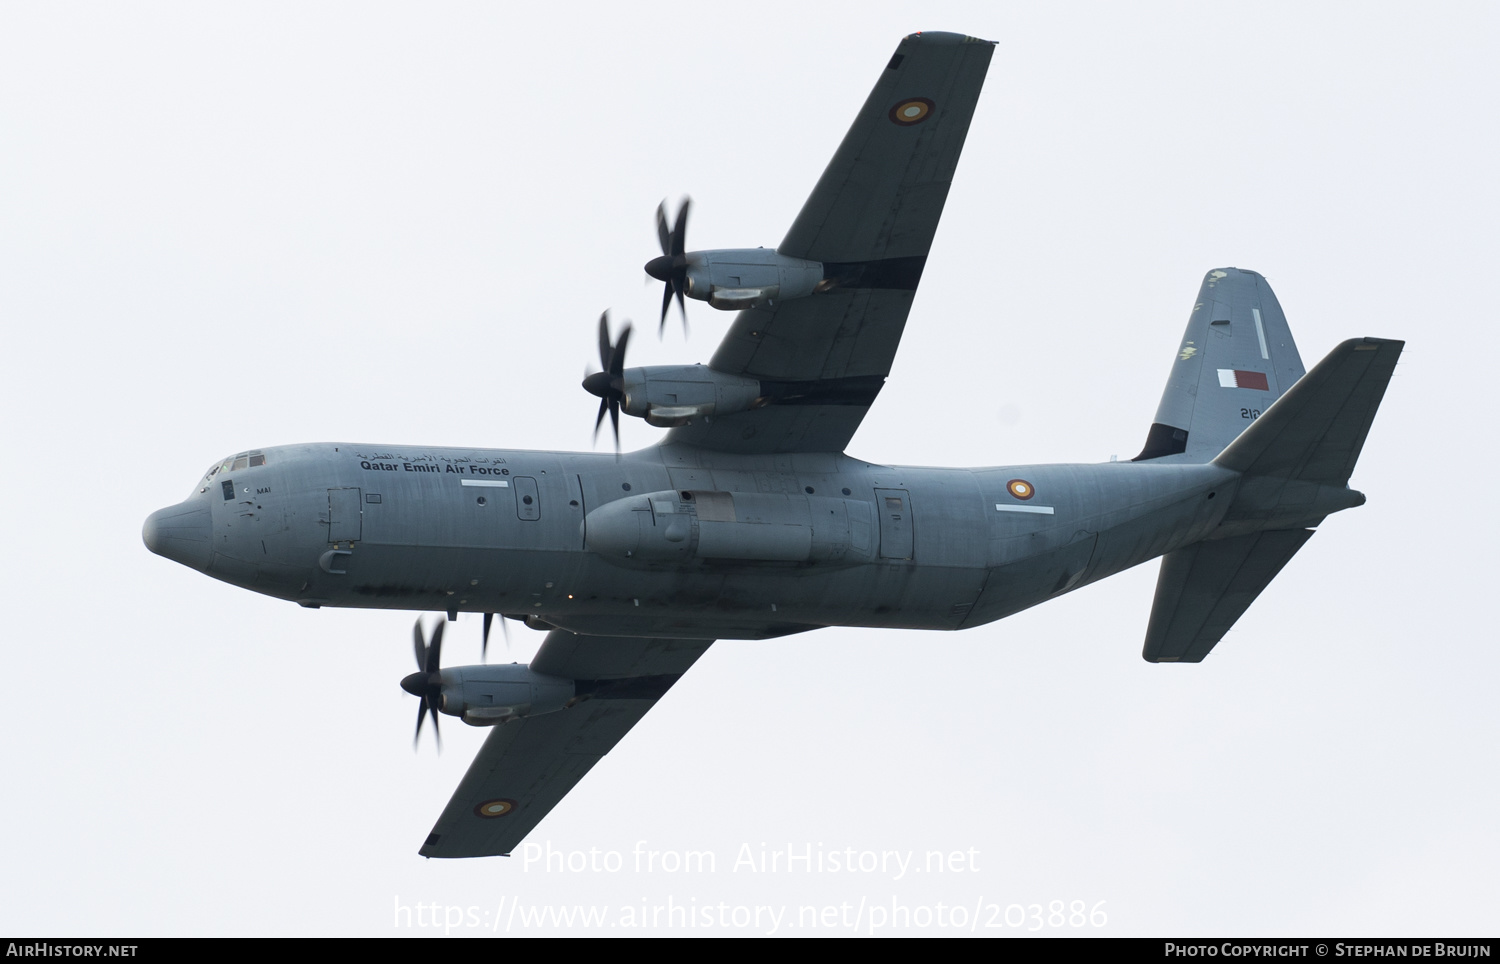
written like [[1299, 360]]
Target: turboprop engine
[[480, 695], [745, 277], [491, 695], [728, 278], [671, 395], [487, 695]]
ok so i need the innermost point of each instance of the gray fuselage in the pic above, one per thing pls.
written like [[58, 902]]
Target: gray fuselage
[[676, 540]]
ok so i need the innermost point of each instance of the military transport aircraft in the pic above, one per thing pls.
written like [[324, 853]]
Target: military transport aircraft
[[747, 521]]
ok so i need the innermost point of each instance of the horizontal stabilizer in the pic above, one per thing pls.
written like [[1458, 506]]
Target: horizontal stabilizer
[[1204, 588], [1315, 431], [527, 766]]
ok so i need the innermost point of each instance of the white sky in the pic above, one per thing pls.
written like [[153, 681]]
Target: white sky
[[229, 226]]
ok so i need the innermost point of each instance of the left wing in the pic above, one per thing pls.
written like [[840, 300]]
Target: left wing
[[870, 222], [527, 766]]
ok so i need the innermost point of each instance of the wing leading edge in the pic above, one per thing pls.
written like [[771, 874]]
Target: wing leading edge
[[527, 766], [870, 221]]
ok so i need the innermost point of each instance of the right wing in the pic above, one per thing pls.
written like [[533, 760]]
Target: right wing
[[870, 221], [527, 766]]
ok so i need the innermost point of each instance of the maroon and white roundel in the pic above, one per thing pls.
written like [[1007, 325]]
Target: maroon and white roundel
[[495, 808], [913, 110], [1020, 488]]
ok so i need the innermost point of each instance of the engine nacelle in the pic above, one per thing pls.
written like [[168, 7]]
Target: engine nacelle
[[672, 395], [693, 527], [735, 278], [487, 695]]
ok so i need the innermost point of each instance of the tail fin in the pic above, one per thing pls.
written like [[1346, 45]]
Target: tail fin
[[1236, 358]]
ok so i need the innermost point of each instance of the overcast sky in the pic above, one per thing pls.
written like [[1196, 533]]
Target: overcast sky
[[231, 226]]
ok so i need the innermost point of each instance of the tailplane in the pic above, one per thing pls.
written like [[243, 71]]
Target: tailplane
[[1204, 588]]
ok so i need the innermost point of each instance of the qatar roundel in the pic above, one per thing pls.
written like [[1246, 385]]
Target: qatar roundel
[[1021, 489], [494, 808], [913, 110]]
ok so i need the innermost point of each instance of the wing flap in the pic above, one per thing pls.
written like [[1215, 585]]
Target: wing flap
[[1203, 589], [572, 656]]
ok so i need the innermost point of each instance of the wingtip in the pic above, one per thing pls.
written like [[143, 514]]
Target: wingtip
[[1369, 343], [946, 37]]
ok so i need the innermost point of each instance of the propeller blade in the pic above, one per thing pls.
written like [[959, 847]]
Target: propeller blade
[[666, 302], [679, 232], [662, 234], [419, 643], [430, 704], [484, 640], [603, 406], [604, 346], [617, 359], [435, 651]]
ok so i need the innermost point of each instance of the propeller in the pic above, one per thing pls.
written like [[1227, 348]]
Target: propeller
[[425, 684], [609, 385], [484, 644], [672, 266]]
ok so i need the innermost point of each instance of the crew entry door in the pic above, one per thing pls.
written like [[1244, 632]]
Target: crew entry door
[[344, 515]]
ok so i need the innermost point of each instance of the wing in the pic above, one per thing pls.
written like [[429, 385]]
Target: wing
[[870, 221], [526, 767]]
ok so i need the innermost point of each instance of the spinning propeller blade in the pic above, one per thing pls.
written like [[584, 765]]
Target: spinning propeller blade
[[426, 684], [671, 267], [609, 384]]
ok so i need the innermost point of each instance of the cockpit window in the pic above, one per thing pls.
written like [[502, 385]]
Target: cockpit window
[[236, 462]]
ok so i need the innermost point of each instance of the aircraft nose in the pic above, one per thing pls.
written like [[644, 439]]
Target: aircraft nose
[[182, 533]]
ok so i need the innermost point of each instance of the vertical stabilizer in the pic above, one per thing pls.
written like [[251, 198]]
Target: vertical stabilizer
[[1236, 358]]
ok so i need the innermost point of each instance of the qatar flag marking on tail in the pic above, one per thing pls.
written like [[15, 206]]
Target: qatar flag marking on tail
[[1238, 378]]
